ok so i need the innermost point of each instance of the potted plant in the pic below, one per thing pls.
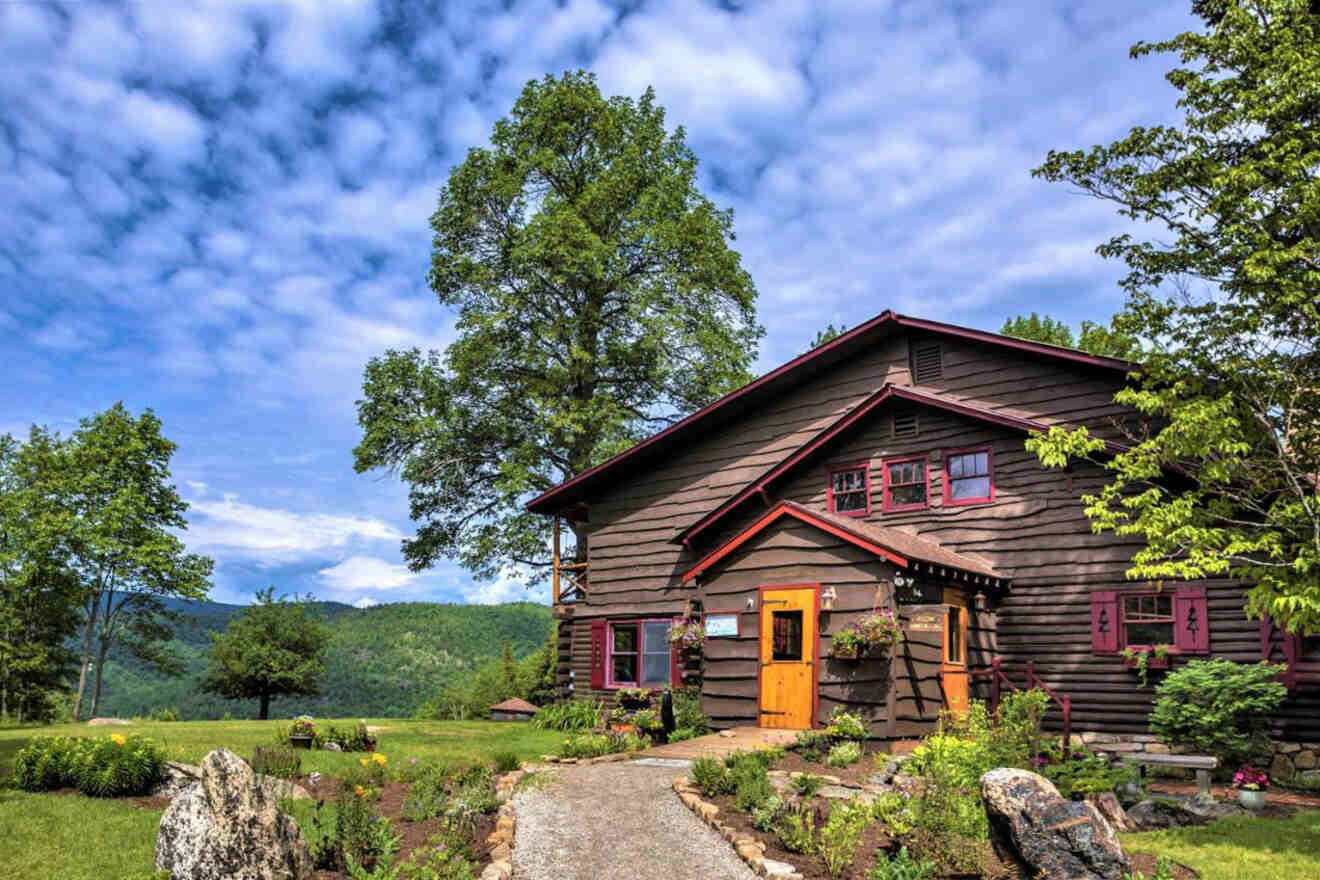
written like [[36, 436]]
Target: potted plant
[[879, 629], [302, 732], [846, 644], [1252, 784], [1145, 659], [687, 634], [620, 720], [635, 698], [648, 723]]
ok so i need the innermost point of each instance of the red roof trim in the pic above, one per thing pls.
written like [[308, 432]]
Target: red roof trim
[[845, 422], [540, 502], [782, 509]]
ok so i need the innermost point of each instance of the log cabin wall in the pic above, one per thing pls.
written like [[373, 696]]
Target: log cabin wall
[[1034, 531], [792, 553]]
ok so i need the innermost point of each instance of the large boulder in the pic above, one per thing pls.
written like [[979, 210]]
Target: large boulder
[[1045, 834], [1155, 813], [227, 827]]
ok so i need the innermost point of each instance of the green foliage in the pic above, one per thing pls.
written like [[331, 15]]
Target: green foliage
[[597, 296], [949, 819], [166, 714], [830, 332], [113, 766], [352, 739], [505, 762], [593, 745], [1085, 773], [440, 860], [271, 649], [846, 725], [844, 753], [687, 713], [797, 829], [1094, 338], [1017, 737], [282, 763], [840, 835], [571, 715], [959, 762], [1039, 329], [712, 777], [751, 782], [812, 745], [766, 813], [901, 866], [1163, 870], [805, 785], [1227, 291], [894, 811], [1218, 707], [682, 733]]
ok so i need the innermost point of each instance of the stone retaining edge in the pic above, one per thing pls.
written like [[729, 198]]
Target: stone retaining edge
[[506, 823], [748, 848]]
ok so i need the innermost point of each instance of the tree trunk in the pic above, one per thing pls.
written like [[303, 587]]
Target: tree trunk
[[265, 707], [86, 657], [100, 671]]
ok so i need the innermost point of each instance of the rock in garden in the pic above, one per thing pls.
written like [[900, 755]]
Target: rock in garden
[[1046, 834], [1106, 803], [1174, 812], [332, 747], [108, 722], [228, 827], [178, 777]]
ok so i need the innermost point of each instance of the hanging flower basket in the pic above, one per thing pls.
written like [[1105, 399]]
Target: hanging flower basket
[[846, 652], [688, 634]]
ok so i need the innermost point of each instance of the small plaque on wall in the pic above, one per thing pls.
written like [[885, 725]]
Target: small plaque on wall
[[926, 622], [721, 626]]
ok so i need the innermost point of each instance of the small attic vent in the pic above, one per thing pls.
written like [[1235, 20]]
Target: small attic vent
[[905, 424], [927, 365]]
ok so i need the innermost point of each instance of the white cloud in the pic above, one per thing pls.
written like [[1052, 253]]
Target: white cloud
[[367, 572], [271, 535], [510, 586], [365, 602]]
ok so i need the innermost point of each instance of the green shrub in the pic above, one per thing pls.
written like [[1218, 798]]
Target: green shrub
[[1083, 774], [840, 834], [961, 761], [571, 715], [48, 763], [845, 753], [647, 720], [1218, 707], [317, 820], [682, 733], [166, 714], [362, 835], [1017, 737], [894, 811], [806, 784], [282, 763], [429, 793], [438, 860], [506, 762], [592, 745], [846, 725], [712, 777], [811, 745], [118, 766], [355, 739], [751, 783], [688, 714], [901, 866], [766, 813], [796, 829]]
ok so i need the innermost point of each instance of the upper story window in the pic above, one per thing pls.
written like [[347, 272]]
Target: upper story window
[[849, 490], [969, 477], [907, 484]]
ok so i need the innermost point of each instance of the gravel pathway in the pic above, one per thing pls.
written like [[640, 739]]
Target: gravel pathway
[[616, 822]]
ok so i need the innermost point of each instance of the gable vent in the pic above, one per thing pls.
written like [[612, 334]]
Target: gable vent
[[905, 424], [927, 365]]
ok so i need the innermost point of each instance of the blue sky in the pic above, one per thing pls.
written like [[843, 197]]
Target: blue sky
[[219, 210]]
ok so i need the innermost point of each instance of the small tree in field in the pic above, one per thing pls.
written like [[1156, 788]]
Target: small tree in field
[[273, 648]]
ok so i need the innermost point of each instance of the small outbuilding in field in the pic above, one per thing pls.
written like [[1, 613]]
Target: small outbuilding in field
[[512, 710]]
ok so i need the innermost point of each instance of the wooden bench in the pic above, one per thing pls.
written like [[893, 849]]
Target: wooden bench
[[1202, 764]]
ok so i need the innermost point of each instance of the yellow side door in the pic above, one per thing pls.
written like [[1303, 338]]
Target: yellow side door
[[788, 657]]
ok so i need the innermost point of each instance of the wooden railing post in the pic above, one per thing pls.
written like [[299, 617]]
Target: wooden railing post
[[1031, 674], [994, 685], [555, 577], [1067, 727]]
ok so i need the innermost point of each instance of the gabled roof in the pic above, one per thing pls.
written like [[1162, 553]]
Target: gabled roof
[[514, 704], [840, 426], [779, 380], [901, 548]]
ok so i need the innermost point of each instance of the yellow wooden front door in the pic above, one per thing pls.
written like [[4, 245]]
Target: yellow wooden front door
[[788, 657], [953, 676]]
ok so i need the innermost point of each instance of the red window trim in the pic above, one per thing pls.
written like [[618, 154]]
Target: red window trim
[[831, 470], [949, 500], [884, 472], [610, 683], [1123, 596]]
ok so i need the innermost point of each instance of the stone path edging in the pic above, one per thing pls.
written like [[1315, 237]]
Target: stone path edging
[[506, 823], [748, 848]]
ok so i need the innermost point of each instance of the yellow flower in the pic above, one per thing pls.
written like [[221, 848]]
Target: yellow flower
[[362, 761], [118, 738], [359, 791], [378, 758]]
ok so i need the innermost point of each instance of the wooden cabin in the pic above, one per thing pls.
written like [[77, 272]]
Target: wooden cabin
[[887, 469]]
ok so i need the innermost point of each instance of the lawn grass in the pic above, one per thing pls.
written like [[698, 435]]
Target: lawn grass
[[1241, 847], [71, 837]]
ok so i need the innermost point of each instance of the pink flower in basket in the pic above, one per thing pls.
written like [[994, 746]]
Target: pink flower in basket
[[1251, 778], [687, 634]]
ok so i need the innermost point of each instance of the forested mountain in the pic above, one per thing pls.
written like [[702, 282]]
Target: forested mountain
[[384, 661]]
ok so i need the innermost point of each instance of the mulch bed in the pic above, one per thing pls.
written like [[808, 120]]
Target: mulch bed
[[856, 773], [1145, 863]]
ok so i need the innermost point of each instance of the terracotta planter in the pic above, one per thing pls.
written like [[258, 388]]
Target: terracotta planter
[[617, 727], [300, 742], [1252, 800]]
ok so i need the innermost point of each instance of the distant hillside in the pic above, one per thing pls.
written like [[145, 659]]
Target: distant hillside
[[382, 661]]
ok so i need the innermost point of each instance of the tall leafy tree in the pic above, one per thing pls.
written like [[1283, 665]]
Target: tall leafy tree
[[274, 648], [1093, 338], [1226, 484], [598, 299], [40, 598], [1038, 329], [123, 543]]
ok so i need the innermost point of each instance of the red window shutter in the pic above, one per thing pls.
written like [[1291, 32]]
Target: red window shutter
[[1104, 622], [598, 653], [1191, 624]]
